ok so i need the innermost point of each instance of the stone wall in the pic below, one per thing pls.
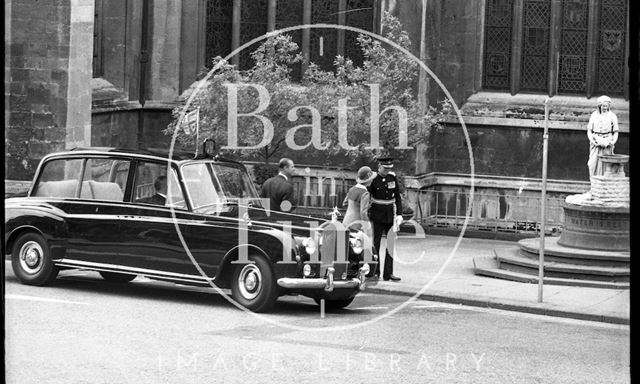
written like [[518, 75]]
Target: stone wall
[[505, 130], [48, 50], [498, 203], [452, 42], [124, 112], [512, 151], [115, 129]]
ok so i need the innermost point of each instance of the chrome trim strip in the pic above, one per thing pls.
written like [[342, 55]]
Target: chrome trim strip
[[297, 283], [150, 219], [131, 270], [130, 205], [108, 203], [99, 153]]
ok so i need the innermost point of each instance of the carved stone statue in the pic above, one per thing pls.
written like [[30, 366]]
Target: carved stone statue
[[603, 134]]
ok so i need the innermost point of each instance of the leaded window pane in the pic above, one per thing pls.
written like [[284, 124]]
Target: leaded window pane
[[253, 23], [359, 15], [219, 29], [535, 45], [611, 47], [497, 43], [289, 14], [323, 46], [573, 46]]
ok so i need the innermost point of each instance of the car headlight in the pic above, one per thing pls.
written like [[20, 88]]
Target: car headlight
[[309, 245]]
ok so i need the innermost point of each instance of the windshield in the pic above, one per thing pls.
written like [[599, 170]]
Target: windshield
[[213, 187]]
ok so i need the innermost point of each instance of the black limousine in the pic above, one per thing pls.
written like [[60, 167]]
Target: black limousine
[[194, 220]]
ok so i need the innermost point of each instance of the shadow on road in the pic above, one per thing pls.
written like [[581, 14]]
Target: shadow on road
[[169, 292]]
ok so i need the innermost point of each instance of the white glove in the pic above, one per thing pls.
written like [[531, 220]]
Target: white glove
[[396, 223]]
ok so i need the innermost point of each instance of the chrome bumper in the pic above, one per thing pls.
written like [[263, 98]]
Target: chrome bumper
[[327, 283]]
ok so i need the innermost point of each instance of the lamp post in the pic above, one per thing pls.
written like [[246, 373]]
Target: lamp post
[[543, 205]]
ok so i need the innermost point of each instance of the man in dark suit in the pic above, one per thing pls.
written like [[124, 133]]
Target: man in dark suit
[[386, 207], [160, 197], [279, 189]]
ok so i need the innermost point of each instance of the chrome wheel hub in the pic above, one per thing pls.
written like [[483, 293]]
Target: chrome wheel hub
[[249, 281], [31, 257]]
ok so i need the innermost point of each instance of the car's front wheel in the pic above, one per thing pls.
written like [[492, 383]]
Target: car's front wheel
[[117, 277], [31, 260], [253, 285]]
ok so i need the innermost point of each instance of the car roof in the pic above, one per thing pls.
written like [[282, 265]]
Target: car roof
[[157, 153]]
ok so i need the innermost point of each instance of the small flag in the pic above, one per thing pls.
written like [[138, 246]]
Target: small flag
[[192, 122]]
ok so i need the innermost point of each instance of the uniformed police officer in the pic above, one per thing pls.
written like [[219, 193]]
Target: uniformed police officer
[[386, 206]]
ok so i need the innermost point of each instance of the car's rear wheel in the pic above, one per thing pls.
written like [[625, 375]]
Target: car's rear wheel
[[332, 305], [115, 277], [253, 285], [31, 260]]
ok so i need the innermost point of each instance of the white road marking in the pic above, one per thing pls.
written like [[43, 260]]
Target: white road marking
[[35, 298]]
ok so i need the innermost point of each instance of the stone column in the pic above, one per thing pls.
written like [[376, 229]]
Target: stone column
[[80, 72], [50, 49], [165, 50]]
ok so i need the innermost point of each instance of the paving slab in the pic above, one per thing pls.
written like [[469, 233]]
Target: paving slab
[[457, 283]]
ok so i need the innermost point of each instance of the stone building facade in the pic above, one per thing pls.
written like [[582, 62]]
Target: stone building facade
[[108, 72]]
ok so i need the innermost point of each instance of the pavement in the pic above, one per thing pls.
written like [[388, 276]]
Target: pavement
[[421, 265]]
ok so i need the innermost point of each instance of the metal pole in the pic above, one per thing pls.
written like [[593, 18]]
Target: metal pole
[[422, 80], [545, 141], [271, 15], [306, 34], [197, 130], [235, 31]]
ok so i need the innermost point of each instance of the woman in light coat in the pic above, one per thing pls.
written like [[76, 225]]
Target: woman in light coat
[[358, 201]]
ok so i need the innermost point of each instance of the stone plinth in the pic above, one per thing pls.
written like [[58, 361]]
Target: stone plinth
[[610, 191], [599, 219], [612, 187], [593, 249], [595, 227]]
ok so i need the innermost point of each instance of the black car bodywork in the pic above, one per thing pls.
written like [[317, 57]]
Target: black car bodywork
[[86, 209]]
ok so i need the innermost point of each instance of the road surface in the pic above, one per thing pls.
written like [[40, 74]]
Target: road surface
[[85, 330]]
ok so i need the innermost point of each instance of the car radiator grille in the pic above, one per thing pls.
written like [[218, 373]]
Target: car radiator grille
[[329, 251]]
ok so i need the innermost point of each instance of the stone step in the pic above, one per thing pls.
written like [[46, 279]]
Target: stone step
[[574, 255], [489, 266], [575, 261], [511, 259]]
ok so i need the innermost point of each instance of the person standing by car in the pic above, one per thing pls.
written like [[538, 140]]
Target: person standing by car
[[279, 188], [358, 201], [385, 211]]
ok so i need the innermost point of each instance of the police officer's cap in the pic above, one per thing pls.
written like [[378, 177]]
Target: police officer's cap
[[386, 162]]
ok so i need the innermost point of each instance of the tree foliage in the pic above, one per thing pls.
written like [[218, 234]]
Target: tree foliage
[[294, 106]]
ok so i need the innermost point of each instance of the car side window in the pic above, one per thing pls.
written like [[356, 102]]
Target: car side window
[[59, 178], [104, 179], [175, 197], [154, 185]]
